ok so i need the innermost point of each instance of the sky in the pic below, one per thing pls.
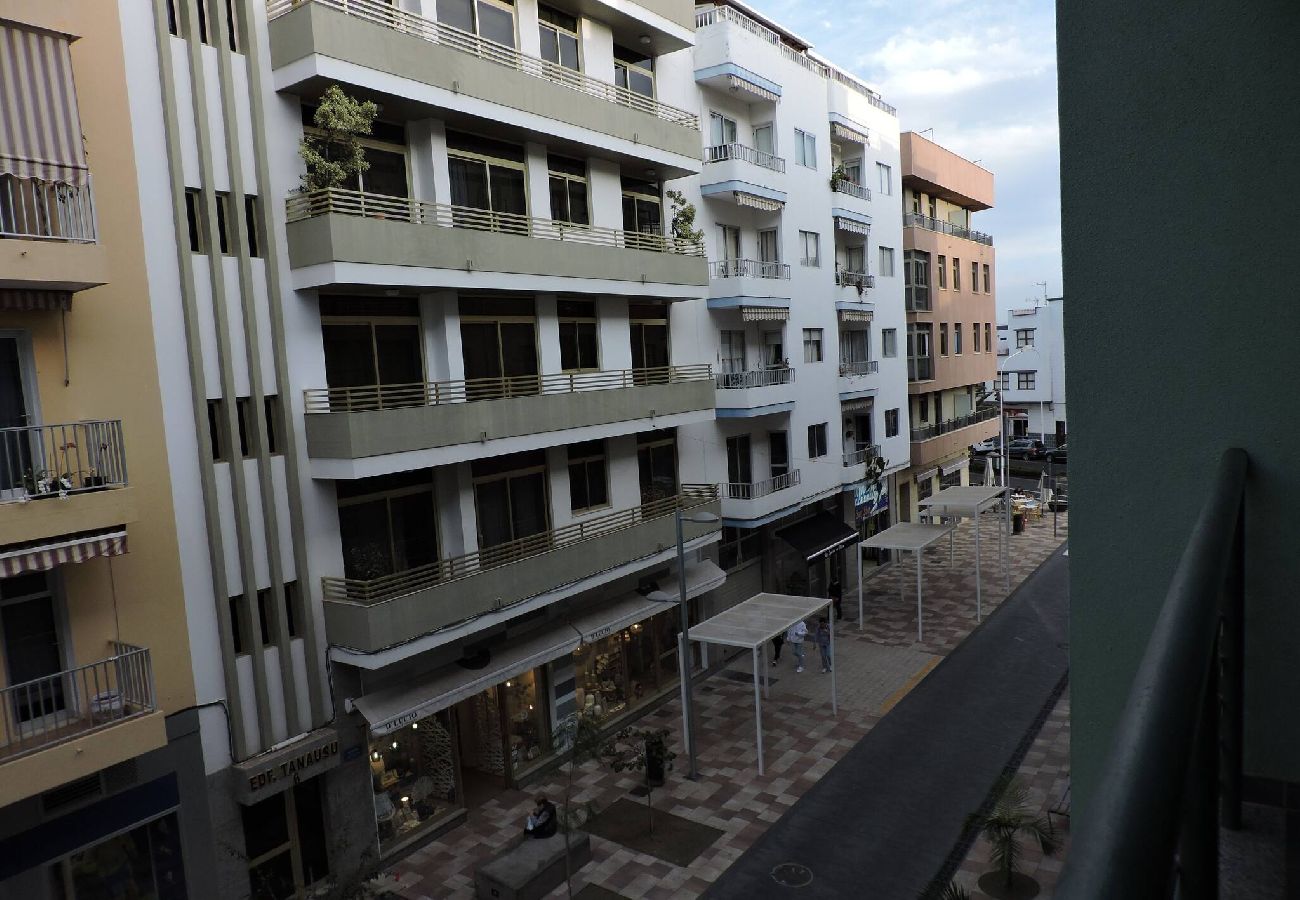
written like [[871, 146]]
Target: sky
[[982, 74]]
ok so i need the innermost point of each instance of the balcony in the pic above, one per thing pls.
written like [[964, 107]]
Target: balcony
[[855, 463], [89, 717], [844, 186], [423, 244], [926, 432], [934, 442], [916, 220], [757, 392], [859, 367], [359, 422], [858, 281], [378, 46], [750, 500], [62, 479], [741, 153], [48, 237], [920, 368], [750, 282], [742, 175], [370, 615]]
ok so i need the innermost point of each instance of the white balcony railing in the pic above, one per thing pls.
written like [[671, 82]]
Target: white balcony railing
[[748, 268], [755, 378], [388, 15], [723, 152], [860, 367], [46, 210], [861, 455], [49, 460], [752, 490], [853, 189]]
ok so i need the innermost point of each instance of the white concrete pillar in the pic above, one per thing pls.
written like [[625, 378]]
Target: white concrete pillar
[[548, 334], [539, 188]]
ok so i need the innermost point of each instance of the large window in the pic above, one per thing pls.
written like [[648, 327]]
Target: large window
[[738, 545], [373, 342], [769, 248], [642, 206], [414, 778], [855, 345], [491, 19], [499, 346], [387, 524], [810, 246], [487, 176], [634, 70], [722, 129], [656, 455], [817, 440], [385, 154], [510, 497], [891, 423], [143, 862], [739, 460], [1025, 337], [648, 325], [805, 148], [889, 342], [568, 181], [588, 479], [579, 344], [886, 179], [1026, 381], [559, 36], [812, 345], [916, 274], [732, 351], [887, 261]]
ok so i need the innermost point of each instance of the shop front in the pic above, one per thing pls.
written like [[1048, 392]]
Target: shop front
[[871, 516]]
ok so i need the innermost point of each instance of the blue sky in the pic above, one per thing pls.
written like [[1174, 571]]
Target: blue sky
[[982, 74]]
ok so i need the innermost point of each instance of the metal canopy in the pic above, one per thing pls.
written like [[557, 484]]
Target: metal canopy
[[972, 500], [817, 535], [906, 536]]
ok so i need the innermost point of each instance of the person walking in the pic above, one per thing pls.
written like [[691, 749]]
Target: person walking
[[824, 643], [794, 636]]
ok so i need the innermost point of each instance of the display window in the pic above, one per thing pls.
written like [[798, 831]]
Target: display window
[[526, 730], [415, 778], [144, 863]]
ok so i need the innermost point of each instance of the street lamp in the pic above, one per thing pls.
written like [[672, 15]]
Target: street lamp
[[683, 642], [1002, 416]]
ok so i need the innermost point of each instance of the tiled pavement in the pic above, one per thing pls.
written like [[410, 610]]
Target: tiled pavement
[[802, 740]]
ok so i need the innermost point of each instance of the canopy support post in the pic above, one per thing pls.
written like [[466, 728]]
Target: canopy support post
[[758, 713]]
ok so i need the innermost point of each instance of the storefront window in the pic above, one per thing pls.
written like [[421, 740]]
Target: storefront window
[[526, 713], [144, 862], [414, 777]]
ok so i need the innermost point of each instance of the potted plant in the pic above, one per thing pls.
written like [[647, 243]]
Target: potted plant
[[838, 175], [334, 154], [92, 479], [1003, 826], [683, 222]]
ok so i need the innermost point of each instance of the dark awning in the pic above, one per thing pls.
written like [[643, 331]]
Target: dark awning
[[818, 535]]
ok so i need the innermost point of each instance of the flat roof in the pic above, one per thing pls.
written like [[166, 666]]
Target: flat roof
[[908, 536], [971, 497], [752, 622]]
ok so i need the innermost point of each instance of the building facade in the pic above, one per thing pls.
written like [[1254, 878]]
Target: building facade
[[951, 308], [1031, 372]]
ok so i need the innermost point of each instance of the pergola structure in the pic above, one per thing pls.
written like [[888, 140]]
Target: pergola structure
[[750, 625], [906, 536], [972, 501]]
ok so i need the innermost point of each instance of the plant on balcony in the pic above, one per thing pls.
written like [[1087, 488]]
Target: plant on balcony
[[335, 154], [683, 223], [45, 483], [876, 468], [1003, 826], [839, 175], [641, 750]]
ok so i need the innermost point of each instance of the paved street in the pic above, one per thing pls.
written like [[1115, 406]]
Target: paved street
[[878, 670]]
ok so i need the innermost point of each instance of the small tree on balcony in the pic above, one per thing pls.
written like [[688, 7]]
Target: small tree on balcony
[[333, 153], [683, 223]]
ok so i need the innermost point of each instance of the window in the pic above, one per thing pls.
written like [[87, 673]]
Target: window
[[242, 412], [738, 545], [510, 497], [923, 407], [739, 460], [250, 226], [194, 219], [778, 453], [656, 457], [805, 148], [201, 10], [489, 19], [769, 248], [231, 32], [855, 346], [141, 862], [588, 483], [812, 345], [975, 335], [487, 175], [649, 335], [891, 423], [173, 26], [943, 271], [271, 409], [889, 342], [579, 345], [387, 523], [642, 206], [855, 260], [975, 277], [370, 343], [237, 628], [568, 181], [264, 614], [1024, 337], [934, 208], [887, 261], [498, 339], [1004, 381], [722, 130], [223, 218], [284, 842], [634, 70], [956, 339], [774, 349], [816, 440], [987, 336], [916, 273], [886, 179], [1026, 381], [956, 274], [764, 138], [732, 351], [986, 279], [810, 247], [217, 440], [730, 242], [559, 34], [943, 338]]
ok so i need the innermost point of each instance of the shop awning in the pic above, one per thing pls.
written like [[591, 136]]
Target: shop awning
[[743, 84], [17, 559], [840, 130], [817, 535], [603, 621], [767, 204], [764, 314], [40, 135], [27, 301]]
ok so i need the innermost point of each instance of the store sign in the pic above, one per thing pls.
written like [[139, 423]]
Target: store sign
[[274, 772], [869, 499]]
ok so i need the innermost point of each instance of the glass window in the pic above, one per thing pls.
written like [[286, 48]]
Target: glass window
[[634, 70], [891, 423], [738, 545], [812, 345], [773, 349], [817, 440], [974, 277], [956, 338], [649, 333], [622, 672], [656, 455], [499, 348], [886, 178], [568, 183], [956, 274], [764, 138], [642, 206], [805, 148], [588, 481], [975, 335], [559, 36], [889, 342], [943, 338], [487, 176], [579, 342], [987, 336], [769, 248], [373, 343], [414, 777], [510, 498], [943, 271], [809, 242], [855, 345], [987, 290], [387, 524], [1026, 381], [887, 261], [528, 734], [732, 353], [1024, 337], [739, 460], [722, 129]]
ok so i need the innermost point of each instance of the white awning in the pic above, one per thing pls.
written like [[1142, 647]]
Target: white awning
[[855, 315], [740, 84], [753, 622], [599, 623], [43, 555], [846, 224], [927, 474], [840, 130], [956, 465], [767, 204], [908, 536], [764, 314]]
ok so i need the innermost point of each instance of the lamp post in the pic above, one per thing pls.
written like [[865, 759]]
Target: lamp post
[[1002, 416], [683, 641]]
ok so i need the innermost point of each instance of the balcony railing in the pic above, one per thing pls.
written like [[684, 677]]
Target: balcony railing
[[340, 201], [860, 367], [925, 432], [384, 14], [852, 188], [748, 268], [46, 210], [1174, 771], [399, 584], [752, 490], [48, 460], [45, 711], [756, 378], [723, 152], [920, 368], [436, 393], [861, 455], [859, 280], [919, 221], [709, 15]]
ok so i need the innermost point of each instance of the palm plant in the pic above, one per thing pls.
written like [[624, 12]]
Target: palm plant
[[954, 891], [1005, 824]]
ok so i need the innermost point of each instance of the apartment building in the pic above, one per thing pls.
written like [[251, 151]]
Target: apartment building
[[100, 755], [1031, 371], [951, 282], [798, 205]]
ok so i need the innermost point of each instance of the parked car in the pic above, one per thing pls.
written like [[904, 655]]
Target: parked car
[[985, 447], [1057, 456], [1026, 448]]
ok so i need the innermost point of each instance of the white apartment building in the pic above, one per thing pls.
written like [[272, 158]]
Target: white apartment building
[[1031, 366], [798, 202]]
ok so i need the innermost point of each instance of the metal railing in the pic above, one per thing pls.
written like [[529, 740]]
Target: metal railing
[[861, 455], [860, 367], [733, 150], [925, 432], [400, 584], [1174, 769], [752, 490], [436, 393], [852, 188], [919, 221], [710, 15], [49, 460], [55, 708], [342, 201], [384, 14], [748, 268], [755, 378], [859, 280], [46, 210], [920, 368]]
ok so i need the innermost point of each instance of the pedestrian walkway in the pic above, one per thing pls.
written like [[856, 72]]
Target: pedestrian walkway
[[883, 820]]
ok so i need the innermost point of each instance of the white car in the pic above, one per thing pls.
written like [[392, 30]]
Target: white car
[[989, 445]]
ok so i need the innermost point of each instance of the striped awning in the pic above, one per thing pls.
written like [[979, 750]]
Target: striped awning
[[17, 559], [862, 404], [766, 204], [855, 315], [26, 301], [40, 126], [740, 84], [764, 314], [840, 130], [852, 227]]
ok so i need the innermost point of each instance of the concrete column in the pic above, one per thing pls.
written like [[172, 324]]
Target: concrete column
[[451, 513], [614, 333], [467, 513], [624, 473], [437, 138], [606, 188], [530, 41], [440, 325], [557, 466], [548, 334], [420, 148]]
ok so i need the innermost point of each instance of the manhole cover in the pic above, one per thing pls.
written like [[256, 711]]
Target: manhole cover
[[792, 875]]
